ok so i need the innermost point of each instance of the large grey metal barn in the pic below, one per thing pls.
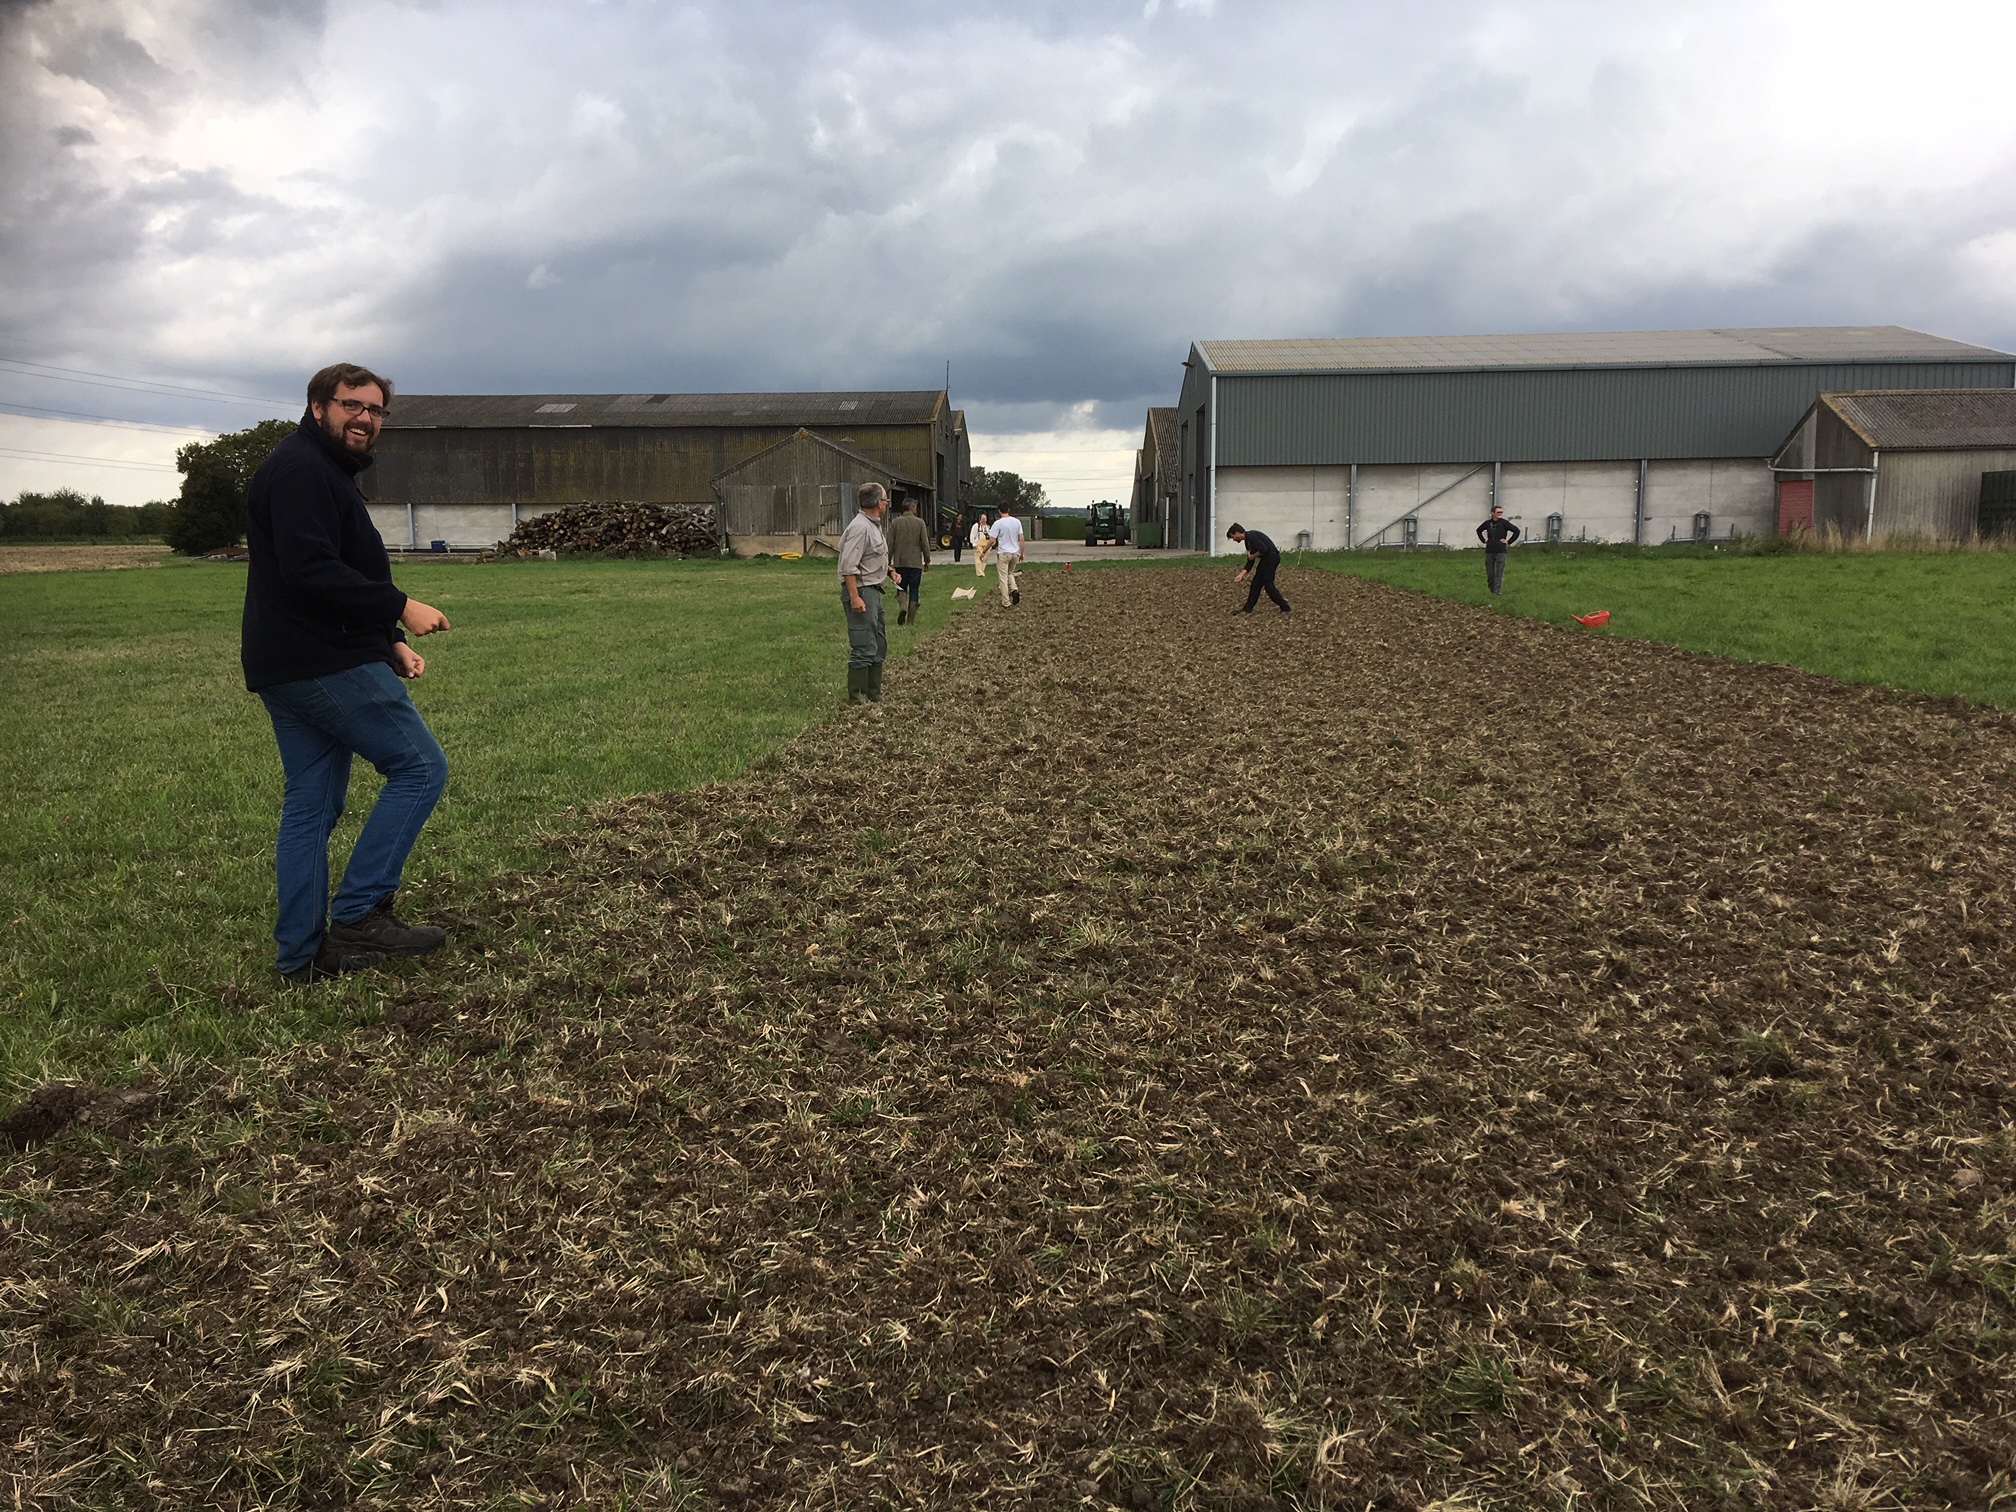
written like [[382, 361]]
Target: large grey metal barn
[[1639, 436]]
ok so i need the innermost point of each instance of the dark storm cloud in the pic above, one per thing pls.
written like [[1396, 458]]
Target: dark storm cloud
[[1058, 197]]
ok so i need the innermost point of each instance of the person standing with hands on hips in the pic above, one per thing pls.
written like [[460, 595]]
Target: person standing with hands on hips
[[864, 567], [1263, 560], [1497, 533], [325, 649]]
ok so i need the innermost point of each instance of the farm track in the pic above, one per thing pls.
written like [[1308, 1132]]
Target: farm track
[[1389, 1054]]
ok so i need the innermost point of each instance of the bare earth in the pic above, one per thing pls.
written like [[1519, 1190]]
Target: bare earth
[[1390, 1056], [79, 558]]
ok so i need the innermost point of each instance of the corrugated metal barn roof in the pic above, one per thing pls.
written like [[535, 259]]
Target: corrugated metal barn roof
[[1575, 349], [515, 411], [1930, 420]]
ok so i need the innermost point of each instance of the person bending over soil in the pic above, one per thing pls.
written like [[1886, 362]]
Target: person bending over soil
[[1263, 560]]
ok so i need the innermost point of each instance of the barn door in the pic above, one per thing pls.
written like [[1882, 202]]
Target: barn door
[[1795, 505]]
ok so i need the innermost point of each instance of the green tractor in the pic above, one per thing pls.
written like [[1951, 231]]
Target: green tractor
[[1106, 521]]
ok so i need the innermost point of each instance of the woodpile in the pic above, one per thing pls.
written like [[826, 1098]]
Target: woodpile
[[616, 530]]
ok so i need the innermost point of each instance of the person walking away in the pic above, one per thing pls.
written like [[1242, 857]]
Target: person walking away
[[324, 646], [1263, 560], [1497, 533], [982, 544], [909, 555], [1006, 535], [958, 534], [864, 567]]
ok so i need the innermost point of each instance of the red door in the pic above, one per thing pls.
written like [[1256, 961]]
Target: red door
[[1795, 506]]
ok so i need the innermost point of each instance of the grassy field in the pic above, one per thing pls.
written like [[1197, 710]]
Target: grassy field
[[142, 788], [135, 862], [1573, 1077], [1942, 624]]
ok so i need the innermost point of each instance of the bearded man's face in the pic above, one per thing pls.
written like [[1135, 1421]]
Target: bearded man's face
[[353, 417]]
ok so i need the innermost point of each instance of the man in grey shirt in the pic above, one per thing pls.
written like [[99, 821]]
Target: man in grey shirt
[[864, 565]]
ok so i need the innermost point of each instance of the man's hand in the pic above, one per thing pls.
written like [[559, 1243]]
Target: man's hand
[[1241, 577], [422, 619], [857, 605], [407, 662]]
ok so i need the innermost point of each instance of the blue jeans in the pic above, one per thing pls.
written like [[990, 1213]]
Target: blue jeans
[[319, 723]]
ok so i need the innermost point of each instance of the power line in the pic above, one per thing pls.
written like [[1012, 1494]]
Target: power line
[[10, 406], [42, 456], [132, 385]]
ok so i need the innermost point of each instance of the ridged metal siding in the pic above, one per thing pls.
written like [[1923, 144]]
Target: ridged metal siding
[[1934, 493], [537, 466], [1560, 415]]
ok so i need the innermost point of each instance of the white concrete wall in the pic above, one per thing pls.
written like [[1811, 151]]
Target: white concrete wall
[[462, 526], [1385, 493], [1283, 502], [1736, 491], [1597, 501]]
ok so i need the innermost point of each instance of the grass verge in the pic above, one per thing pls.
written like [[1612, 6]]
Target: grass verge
[[143, 789], [1943, 624]]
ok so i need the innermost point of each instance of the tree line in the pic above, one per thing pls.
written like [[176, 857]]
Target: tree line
[[207, 515], [68, 513]]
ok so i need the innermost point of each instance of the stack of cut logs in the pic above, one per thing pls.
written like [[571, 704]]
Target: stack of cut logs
[[617, 530]]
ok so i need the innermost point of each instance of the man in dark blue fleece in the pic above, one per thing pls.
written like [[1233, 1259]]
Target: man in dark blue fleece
[[1263, 560], [1496, 534], [325, 649]]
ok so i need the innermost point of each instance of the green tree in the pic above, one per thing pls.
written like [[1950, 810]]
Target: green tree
[[990, 490], [66, 512], [38, 514], [215, 477]]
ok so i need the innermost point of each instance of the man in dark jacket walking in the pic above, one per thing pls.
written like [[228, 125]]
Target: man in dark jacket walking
[[1497, 533], [909, 554], [325, 649], [1263, 560]]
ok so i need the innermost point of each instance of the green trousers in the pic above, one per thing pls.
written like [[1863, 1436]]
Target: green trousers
[[867, 633]]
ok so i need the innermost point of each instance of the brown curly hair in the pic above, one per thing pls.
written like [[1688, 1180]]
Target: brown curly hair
[[322, 387]]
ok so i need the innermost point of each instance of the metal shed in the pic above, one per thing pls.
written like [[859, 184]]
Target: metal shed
[[1384, 441], [1904, 463], [466, 467], [799, 494], [1157, 480]]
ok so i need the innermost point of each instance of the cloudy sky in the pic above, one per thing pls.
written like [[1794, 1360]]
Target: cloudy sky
[[203, 198]]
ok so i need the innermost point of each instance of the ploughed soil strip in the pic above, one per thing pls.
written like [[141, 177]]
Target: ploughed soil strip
[[1390, 1055]]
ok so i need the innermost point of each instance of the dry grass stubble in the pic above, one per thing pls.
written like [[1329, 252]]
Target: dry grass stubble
[[80, 558], [1330, 1062]]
